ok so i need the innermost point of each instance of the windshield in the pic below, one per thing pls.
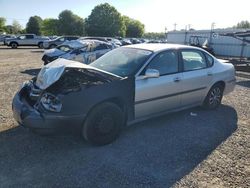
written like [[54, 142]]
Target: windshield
[[122, 61], [64, 48]]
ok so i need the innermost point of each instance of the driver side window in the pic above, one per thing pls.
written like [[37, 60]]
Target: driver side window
[[165, 62], [22, 37]]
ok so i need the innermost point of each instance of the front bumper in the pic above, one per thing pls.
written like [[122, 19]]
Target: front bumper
[[229, 87], [28, 116]]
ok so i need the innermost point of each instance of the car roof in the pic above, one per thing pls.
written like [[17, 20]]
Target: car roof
[[159, 47], [81, 43]]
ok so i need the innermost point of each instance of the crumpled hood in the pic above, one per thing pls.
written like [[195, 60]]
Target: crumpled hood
[[52, 72], [54, 52]]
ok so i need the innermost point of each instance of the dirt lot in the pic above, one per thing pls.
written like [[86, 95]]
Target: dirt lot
[[211, 149]]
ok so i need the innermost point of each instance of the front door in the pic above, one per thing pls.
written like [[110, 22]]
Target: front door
[[155, 95]]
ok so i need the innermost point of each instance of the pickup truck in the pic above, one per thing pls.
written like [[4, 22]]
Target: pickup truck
[[26, 40]]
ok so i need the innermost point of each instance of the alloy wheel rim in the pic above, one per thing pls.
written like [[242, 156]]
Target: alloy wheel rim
[[215, 97]]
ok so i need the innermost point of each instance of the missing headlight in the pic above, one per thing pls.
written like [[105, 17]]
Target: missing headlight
[[51, 102]]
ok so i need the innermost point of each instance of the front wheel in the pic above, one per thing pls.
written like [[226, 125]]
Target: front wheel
[[14, 45], [103, 124], [214, 97], [40, 45]]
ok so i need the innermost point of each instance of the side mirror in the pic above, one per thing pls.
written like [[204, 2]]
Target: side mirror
[[152, 73]]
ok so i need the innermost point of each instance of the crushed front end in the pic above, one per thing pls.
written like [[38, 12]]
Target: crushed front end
[[53, 99]]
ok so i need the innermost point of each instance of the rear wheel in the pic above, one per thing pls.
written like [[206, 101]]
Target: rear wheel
[[103, 124], [214, 97], [52, 46]]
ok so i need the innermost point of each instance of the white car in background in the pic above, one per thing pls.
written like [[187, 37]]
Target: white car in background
[[84, 51]]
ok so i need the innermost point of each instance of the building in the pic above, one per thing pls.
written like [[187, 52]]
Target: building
[[224, 42]]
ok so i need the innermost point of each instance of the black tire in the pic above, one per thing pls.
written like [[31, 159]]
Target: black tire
[[43, 132], [14, 45], [45, 62], [40, 45], [214, 97], [103, 124], [52, 46]]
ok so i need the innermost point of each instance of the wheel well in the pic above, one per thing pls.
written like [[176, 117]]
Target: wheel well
[[222, 83], [117, 101], [13, 42], [52, 45]]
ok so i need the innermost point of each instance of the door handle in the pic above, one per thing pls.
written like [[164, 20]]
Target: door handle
[[209, 73], [177, 79]]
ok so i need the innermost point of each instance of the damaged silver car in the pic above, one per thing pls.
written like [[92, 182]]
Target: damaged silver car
[[126, 85], [84, 51]]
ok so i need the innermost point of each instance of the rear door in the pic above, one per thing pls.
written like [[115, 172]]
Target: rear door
[[60, 41], [155, 95], [197, 76], [30, 40], [96, 51]]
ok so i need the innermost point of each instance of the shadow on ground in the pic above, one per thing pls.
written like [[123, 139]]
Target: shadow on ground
[[244, 83], [37, 51], [19, 48], [153, 153], [32, 72]]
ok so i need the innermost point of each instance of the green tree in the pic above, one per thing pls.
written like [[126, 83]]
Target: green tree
[[34, 25], [16, 27], [243, 25], [105, 20], [50, 26], [2, 23], [154, 35], [70, 24], [134, 28], [9, 29]]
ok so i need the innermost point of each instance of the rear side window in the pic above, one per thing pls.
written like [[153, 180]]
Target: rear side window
[[72, 38], [29, 36], [99, 47], [193, 60], [210, 60]]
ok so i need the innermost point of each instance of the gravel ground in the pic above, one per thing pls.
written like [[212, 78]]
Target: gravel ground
[[211, 149]]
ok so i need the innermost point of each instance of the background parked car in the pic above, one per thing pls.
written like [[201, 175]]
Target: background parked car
[[4, 37], [114, 42], [52, 43], [84, 51], [26, 40]]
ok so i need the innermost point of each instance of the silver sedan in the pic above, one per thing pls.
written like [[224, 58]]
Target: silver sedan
[[126, 85]]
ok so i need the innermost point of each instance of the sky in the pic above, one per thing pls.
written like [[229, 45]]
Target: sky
[[156, 15]]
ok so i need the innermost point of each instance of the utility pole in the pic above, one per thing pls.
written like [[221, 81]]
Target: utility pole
[[175, 24], [166, 31], [211, 33]]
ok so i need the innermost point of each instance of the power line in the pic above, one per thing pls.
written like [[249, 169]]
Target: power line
[[16, 19]]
